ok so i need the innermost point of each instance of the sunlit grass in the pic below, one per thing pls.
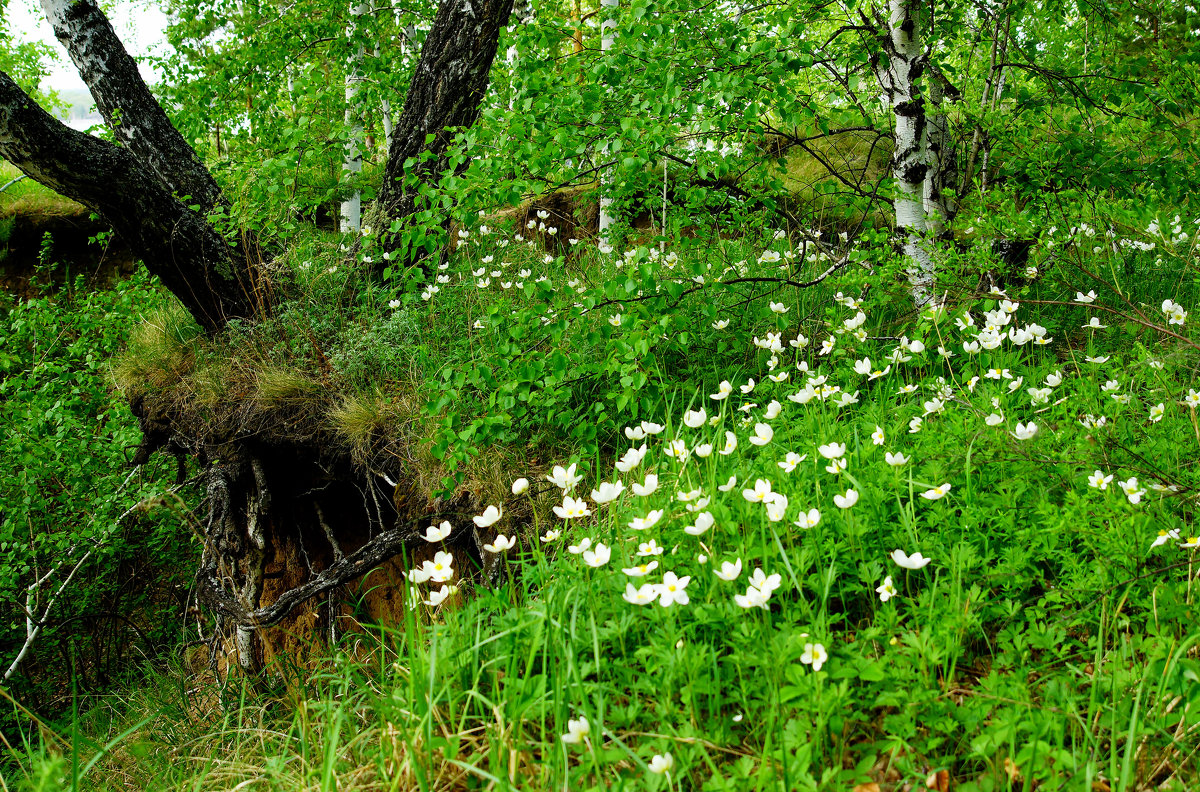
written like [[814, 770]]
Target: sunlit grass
[[27, 197], [1048, 641]]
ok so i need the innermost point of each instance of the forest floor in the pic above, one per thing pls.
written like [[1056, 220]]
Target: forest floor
[[769, 537]]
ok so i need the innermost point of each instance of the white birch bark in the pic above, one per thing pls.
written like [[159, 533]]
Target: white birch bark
[[34, 628], [608, 37], [385, 105], [910, 162], [351, 212]]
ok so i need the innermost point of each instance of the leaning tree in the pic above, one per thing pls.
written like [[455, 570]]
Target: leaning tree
[[290, 520]]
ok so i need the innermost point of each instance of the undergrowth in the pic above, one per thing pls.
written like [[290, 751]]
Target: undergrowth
[[807, 538]]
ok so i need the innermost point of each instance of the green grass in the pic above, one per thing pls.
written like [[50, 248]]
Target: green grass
[[1050, 642], [28, 197]]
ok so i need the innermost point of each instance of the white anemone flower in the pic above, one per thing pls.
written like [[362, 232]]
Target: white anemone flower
[[753, 598], [565, 478], [814, 655], [440, 569], [649, 521], [651, 548], [704, 521], [646, 488], [598, 556], [791, 461], [1132, 490], [489, 517], [631, 459], [808, 519], [1025, 431], [847, 500], [577, 731], [914, 561], [937, 493], [1164, 537], [439, 596], [729, 571], [572, 508], [641, 570], [500, 544], [673, 590], [762, 434], [832, 450], [608, 491], [777, 507], [436, 533], [761, 492], [643, 595], [661, 764]]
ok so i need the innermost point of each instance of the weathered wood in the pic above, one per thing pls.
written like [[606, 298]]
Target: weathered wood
[[178, 245], [385, 546]]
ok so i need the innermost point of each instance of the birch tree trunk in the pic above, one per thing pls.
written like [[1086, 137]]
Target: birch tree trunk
[[444, 98], [899, 78], [940, 199], [608, 37], [351, 211], [212, 280], [128, 107]]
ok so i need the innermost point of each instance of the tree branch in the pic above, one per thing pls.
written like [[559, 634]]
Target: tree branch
[[444, 98], [128, 107], [382, 548], [178, 245]]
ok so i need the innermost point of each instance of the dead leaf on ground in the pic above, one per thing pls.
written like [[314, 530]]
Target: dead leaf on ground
[[939, 780]]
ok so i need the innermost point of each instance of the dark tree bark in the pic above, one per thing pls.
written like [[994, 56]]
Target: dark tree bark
[[131, 111], [444, 98], [178, 245]]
